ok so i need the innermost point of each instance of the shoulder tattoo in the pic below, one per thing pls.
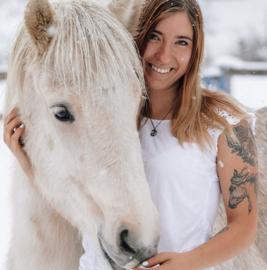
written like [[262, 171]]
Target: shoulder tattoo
[[246, 147]]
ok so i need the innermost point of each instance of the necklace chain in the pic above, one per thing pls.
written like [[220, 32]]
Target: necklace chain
[[154, 131]]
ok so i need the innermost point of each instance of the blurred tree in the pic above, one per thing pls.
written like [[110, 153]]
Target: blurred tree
[[253, 48]]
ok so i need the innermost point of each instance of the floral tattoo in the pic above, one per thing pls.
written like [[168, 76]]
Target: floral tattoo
[[246, 148]]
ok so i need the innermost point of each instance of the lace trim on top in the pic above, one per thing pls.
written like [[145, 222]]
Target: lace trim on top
[[232, 120]]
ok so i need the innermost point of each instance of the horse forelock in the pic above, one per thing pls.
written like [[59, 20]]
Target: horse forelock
[[90, 52]]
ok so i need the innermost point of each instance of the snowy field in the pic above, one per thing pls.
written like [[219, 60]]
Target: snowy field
[[250, 90]]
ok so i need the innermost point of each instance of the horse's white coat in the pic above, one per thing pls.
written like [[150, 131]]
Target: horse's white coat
[[89, 175]]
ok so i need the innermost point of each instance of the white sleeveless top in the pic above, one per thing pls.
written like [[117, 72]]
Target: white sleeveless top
[[184, 187]]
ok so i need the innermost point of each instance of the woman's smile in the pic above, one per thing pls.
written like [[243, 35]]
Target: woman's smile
[[159, 70], [168, 51]]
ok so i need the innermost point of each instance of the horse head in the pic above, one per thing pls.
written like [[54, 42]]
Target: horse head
[[238, 190], [77, 80], [237, 195]]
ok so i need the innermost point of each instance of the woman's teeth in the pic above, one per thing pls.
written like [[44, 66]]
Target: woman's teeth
[[160, 70]]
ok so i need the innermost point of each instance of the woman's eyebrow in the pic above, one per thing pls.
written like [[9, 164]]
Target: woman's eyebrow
[[183, 37], [158, 32]]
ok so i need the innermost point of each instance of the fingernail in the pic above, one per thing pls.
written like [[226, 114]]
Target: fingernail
[[145, 263], [21, 126]]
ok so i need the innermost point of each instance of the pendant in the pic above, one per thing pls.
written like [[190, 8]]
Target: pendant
[[153, 132]]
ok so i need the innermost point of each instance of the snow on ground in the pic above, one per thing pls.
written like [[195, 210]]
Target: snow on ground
[[232, 62], [250, 90]]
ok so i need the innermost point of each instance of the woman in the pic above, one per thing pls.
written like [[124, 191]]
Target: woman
[[196, 145]]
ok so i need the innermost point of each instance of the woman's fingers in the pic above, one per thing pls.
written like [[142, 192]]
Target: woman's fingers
[[13, 129], [157, 259], [14, 113], [10, 129], [15, 138]]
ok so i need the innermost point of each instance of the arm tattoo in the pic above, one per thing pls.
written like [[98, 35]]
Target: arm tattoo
[[222, 231], [246, 148], [238, 188]]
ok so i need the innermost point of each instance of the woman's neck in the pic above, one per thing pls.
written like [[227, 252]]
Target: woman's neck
[[160, 103]]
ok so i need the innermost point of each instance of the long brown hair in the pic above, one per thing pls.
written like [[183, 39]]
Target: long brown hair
[[195, 109]]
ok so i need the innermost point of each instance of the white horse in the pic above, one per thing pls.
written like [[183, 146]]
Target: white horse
[[77, 80], [254, 258]]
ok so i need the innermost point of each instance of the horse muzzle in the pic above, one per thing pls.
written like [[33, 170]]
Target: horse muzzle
[[128, 253]]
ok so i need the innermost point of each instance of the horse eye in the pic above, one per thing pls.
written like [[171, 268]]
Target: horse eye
[[62, 114]]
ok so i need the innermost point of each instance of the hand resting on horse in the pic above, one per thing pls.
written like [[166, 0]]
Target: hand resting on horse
[[13, 128]]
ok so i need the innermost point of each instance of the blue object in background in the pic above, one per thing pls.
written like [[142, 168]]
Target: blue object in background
[[219, 82]]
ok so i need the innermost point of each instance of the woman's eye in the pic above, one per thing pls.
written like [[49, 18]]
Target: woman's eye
[[182, 42], [153, 36], [62, 114]]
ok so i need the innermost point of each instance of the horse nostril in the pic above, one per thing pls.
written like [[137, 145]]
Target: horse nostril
[[125, 247]]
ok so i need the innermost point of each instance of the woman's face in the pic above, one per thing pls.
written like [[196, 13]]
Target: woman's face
[[168, 51]]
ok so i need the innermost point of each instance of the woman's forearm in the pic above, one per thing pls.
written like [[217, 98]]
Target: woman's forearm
[[228, 243]]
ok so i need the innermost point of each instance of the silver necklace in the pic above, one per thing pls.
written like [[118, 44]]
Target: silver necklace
[[154, 131]]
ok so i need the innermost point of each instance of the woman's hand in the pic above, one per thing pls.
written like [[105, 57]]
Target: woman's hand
[[170, 261], [13, 128]]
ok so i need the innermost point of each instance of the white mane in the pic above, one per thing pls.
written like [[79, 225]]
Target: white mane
[[78, 38]]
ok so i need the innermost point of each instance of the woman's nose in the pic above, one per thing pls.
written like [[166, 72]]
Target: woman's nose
[[163, 55]]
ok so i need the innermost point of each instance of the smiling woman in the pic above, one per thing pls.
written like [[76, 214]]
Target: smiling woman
[[187, 135], [171, 38], [168, 52]]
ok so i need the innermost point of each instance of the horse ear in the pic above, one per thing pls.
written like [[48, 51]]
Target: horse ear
[[235, 173], [128, 12], [38, 17]]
